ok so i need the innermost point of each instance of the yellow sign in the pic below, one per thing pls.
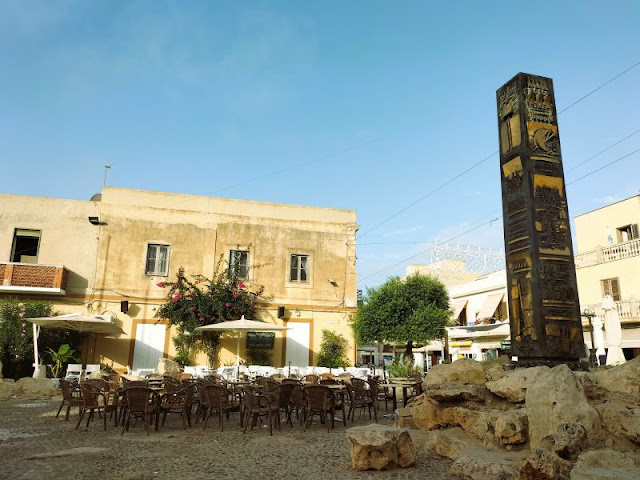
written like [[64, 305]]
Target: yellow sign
[[461, 344]]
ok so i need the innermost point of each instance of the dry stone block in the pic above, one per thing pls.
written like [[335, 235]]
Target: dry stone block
[[450, 393], [608, 459], [513, 386], [448, 443], [166, 366], [34, 388], [483, 464], [622, 378], [555, 398], [510, 428], [460, 372], [620, 420], [8, 389], [544, 465], [379, 447]]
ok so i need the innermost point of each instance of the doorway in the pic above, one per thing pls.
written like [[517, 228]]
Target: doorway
[[149, 346], [297, 349]]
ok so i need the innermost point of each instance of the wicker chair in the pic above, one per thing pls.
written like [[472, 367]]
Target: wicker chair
[[256, 405], [296, 401], [283, 394], [170, 384], [320, 401], [71, 397], [361, 397], [178, 401], [311, 378], [266, 383], [414, 391], [215, 378], [329, 381], [93, 399], [140, 402], [219, 400], [326, 376]]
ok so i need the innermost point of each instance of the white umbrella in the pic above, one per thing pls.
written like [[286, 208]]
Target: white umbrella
[[598, 338], [614, 331], [78, 322], [242, 325]]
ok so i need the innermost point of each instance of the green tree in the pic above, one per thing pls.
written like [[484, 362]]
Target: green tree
[[403, 311], [333, 350], [203, 301], [16, 336]]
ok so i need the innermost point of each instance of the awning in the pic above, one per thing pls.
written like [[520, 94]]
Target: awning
[[457, 308], [500, 329], [80, 323], [490, 306]]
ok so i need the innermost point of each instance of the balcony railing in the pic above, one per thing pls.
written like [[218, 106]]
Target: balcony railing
[[28, 278], [627, 309], [609, 253]]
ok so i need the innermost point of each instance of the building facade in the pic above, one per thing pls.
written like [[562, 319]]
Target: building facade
[[608, 262], [94, 255]]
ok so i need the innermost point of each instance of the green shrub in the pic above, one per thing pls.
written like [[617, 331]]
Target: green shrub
[[403, 368], [16, 336], [333, 350]]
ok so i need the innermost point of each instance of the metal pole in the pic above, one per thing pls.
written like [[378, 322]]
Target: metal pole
[[36, 364]]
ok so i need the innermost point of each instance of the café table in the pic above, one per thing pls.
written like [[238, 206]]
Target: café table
[[394, 386]]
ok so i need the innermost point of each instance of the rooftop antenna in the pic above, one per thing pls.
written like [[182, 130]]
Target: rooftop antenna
[[107, 167]]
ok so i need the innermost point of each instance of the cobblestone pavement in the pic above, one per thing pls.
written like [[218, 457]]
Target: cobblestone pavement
[[29, 429]]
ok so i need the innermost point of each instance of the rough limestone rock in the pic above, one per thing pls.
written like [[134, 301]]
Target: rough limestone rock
[[510, 428], [379, 447], [483, 464], [34, 388], [513, 385], [494, 369], [567, 442], [8, 389], [555, 398], [544, 465], [448, 393], [166, 366], [431, 415], [449, 443], [604, 474], [404, 418], [460, 372], [620, 420], [608, 459], [622, 378]]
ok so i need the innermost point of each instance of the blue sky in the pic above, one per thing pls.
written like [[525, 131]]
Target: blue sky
[[366, 105]]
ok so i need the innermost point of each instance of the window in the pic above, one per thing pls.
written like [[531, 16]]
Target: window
[[627, 233], [611, 287], [157, 260], [239, 263], [25, 246], [299, 268]]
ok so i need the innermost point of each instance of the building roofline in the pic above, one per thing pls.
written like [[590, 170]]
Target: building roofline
[[607, 205]]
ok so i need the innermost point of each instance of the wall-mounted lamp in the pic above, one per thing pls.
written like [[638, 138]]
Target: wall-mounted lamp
[[333, 282], [94, 220], [124, 306], [280, 312]]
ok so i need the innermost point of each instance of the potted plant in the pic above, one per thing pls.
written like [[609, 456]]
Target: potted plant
[[401, 370], [59, 358]]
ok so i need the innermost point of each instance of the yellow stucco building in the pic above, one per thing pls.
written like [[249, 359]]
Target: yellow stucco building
[[93, 255], [608, 262]]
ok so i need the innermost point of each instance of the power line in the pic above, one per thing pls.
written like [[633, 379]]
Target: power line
[[493, 220], [603, 167], [599, 87], [602, 151], [401, 211], [425, 251]]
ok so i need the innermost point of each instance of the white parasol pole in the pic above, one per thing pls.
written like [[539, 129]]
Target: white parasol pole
[[36, 364], [238, 357]]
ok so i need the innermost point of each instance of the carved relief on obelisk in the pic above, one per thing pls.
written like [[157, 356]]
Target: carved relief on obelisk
[[543, 300]]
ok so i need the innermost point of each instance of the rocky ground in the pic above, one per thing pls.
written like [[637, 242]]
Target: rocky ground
[[36, 445]]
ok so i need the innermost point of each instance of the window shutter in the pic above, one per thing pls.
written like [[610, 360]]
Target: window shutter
[[303, 268], [634, 231], [619, 235], [162, 263], [151, 258], [294, 268], [615, 290]]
